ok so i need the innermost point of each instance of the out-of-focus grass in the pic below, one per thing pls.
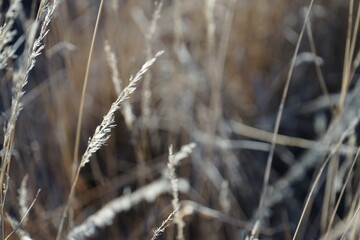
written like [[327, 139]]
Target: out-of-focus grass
[[223, 70]]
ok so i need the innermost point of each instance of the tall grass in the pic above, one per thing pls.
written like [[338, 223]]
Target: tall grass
[[210, 119]]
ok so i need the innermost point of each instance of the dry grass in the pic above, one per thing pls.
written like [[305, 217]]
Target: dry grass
[[244, 128]]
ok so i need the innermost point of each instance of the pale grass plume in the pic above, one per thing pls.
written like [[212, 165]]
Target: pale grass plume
[[104, 217], [177, 157], [174, 161], [7, 35], [75, 163], [34, 47], [176, 185], [178, 219], [103, 131], [20, 77], [184, 152]]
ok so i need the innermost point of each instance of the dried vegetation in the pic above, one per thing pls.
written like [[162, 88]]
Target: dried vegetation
[[207, 119]]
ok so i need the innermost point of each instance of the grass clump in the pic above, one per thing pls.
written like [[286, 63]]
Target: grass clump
[[260, 98]]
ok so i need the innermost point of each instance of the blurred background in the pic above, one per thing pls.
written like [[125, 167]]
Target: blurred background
[[218, 85]]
